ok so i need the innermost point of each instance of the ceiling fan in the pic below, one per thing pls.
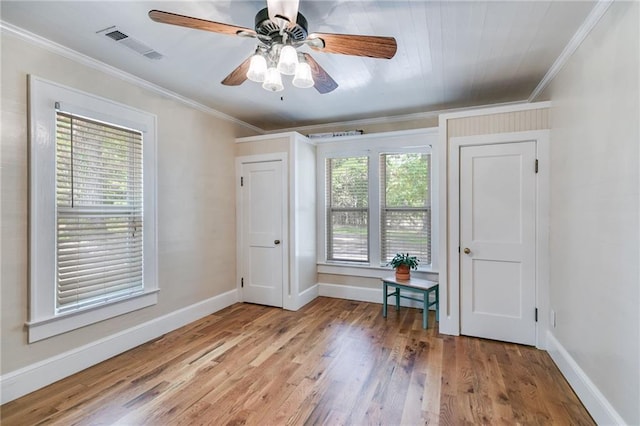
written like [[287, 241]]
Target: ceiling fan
[[280, 30]]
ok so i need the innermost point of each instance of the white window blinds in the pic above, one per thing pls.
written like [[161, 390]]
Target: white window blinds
[[347, 209], [405, 205], [99, 200]]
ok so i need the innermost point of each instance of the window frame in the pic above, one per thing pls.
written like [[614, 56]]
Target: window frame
[[45, 98], [329, 209], [383, 206], [418, 140]]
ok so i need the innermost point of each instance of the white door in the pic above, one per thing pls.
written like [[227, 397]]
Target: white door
[[262, 254], [498, 241]]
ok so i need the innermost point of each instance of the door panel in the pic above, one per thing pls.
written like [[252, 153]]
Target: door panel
[[492, 188], [497, 225], [262, 253], [492, 296]]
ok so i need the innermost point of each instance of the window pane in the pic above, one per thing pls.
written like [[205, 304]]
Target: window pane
[[99, 258], [405, 206], [348, 237], [406, 180], [97, 164], [347, 209], [348, 181], [406, 231]]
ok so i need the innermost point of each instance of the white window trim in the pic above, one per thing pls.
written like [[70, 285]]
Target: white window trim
[[43, 96], [373, 145]]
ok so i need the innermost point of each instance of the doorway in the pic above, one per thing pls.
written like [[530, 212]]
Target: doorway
[[262, 217], [499, 212]]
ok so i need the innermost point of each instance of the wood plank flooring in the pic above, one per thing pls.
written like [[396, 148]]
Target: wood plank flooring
[[333, 362]]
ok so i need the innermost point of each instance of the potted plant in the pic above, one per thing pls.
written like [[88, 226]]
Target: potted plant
[[403, 264]]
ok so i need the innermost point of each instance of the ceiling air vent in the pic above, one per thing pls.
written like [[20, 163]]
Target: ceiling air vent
[[153, 55], [136, 45], [116, 35]]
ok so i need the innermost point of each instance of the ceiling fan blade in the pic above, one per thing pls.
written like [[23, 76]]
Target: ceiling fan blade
[[239, 75], [322, 81], [357, 45], [198, 24]]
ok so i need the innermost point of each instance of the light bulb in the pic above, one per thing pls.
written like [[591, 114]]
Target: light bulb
[[288, 60], [257, 68], [303, 78], [273, 81]]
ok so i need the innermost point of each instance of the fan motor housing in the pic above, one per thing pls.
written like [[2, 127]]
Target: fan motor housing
[[266, 27]]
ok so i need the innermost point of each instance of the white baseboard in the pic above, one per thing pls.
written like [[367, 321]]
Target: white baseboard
[[362, 294], [307, 296], [35, 376], [594, 401]]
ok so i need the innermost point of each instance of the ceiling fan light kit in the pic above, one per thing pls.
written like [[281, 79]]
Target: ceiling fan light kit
[[288, 60], [273, 81], [280, 30], [303, 78], [257, 68]]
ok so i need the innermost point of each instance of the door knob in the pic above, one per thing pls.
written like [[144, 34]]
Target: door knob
[[276, 242], [467, 250]]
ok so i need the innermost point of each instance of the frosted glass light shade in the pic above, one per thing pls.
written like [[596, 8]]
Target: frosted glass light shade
[[257, 68], [303, 78], [288, 60], [273, 81]]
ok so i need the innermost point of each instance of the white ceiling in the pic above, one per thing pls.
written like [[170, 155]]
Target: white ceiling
[[450, 53]]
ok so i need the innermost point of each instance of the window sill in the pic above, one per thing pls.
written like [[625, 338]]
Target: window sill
[[369, 271], [48, 327]]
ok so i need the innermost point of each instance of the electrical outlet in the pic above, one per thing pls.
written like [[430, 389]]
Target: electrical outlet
[[553, 318]]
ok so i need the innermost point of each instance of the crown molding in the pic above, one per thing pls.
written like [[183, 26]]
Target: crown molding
[[80, 58], [581, 34], [494, 109]]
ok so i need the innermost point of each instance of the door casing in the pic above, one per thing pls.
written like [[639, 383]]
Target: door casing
[[282, 157], [451, 294]]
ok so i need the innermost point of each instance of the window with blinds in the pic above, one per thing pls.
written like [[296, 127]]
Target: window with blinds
[[347, 209], [405, 205], [99, 219]]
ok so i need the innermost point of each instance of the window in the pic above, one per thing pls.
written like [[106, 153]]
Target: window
[[99, 212], [92, 223], [375, 200], [405, 205], [348, 209]]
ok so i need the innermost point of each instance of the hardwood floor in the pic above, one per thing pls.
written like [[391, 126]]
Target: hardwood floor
[[333, 362]]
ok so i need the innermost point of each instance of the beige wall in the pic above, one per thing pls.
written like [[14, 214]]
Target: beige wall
[[260, 147], [367, 282], [595, 232], [374, 127], [479, 125], [196, 215], [351, 280], [515, 121]]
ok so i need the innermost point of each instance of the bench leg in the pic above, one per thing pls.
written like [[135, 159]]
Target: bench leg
[[437, 304], [425, 310], [384, 300], [397, 298]]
